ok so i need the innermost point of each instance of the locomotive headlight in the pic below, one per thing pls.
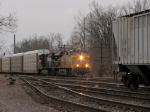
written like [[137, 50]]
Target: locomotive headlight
[[81, 57], [77, 65], [86, 65]]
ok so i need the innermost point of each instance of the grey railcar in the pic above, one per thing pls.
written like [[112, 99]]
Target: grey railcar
[[131, 37], [0, 64]]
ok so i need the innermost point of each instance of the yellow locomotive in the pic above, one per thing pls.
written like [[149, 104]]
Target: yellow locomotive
[[74, 62], [80, 62]]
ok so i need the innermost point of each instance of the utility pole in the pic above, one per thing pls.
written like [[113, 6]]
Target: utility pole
[[101, 54], [84, 35], [14, 43]]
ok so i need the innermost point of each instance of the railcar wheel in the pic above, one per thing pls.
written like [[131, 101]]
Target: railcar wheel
[[57, 72], [70, 72], [124, 79], [73, 74], [67, 72], [129, 80], [49, 72], [39, 72], [135, 82], [129, 83], [54, 72], [135, 86]]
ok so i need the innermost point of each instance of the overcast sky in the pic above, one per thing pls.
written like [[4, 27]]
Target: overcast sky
[[44, 16]]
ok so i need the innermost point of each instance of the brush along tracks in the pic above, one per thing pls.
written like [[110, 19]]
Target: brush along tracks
[[89, 100]]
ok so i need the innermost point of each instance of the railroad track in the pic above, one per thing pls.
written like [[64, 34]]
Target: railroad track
[[103, 86], [37, 86], [98, 84], [77, 78], [102, 103], [94, 82]]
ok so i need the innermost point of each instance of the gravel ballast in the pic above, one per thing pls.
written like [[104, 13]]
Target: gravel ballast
[[14, 98]]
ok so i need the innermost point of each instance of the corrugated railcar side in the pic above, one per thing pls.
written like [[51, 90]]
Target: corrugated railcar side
[[17, 63], [6, 64], [132, 37], [0, 65], [31, 61]]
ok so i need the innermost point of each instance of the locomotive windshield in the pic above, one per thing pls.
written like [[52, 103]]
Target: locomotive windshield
[[75, 52]]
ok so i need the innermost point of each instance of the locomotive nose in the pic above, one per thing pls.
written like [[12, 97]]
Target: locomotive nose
[[81, 57]]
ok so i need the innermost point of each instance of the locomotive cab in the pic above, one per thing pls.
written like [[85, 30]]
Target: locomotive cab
[[66, 63], [80, 62]]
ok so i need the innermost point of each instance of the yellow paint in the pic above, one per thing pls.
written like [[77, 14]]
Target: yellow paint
[[76, 58], [118, 85], [70, 61], [96, 86]]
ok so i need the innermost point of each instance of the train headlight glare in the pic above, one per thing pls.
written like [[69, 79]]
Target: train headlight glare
[[86, 65], [81, 57]]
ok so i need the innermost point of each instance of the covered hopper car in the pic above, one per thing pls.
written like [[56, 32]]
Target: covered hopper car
[[131, 37]]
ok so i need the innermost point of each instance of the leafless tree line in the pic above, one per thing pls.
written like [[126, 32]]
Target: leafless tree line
[[51, 42]]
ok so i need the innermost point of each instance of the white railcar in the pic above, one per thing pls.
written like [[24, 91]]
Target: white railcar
[[17, 63], [31, 60], [131, 36], [6, 64]]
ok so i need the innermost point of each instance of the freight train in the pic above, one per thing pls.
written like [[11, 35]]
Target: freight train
[[131, 37], [71, 63]]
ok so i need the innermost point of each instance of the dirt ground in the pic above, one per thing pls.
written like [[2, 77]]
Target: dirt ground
[[20, 98]]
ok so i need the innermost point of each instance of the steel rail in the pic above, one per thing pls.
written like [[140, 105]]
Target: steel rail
[[81, 107], [100, 100], [88, 91], [105, 90], [90, 80], [108, 102], [112, 95]]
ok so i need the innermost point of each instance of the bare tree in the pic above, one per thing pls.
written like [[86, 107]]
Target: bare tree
[[95, 32], [35, 42], [54, 41], [77, 38], [134, 6], [8, 23]]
